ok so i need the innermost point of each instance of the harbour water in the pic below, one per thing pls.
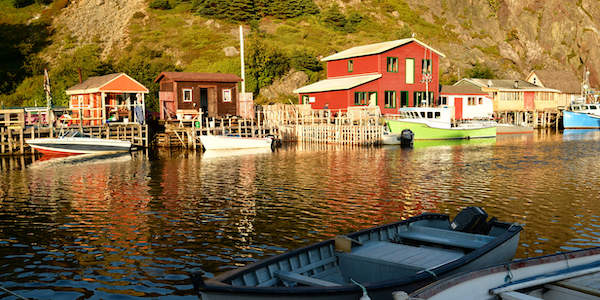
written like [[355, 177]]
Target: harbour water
[[136, 225]]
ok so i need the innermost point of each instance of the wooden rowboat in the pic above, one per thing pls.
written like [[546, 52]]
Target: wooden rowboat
[[564, 276], [400, 256]]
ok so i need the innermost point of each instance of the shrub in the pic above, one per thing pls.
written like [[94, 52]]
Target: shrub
[[481, 71], [21, 3], [160, 4]]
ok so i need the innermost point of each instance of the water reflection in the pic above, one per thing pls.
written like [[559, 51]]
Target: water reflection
[[136, 225]]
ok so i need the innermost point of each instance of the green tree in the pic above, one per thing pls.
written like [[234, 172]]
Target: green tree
[[480, 71], [160, 4], [334, 17], [242, 10], [264, 64]]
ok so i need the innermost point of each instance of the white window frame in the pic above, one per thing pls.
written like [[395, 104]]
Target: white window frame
[[191, 95], [227, 95]]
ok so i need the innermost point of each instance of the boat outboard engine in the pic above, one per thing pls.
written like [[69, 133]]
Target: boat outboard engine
[[407, 138], [471, 220]]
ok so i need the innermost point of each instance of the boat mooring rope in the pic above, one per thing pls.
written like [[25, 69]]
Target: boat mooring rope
[[509, 274], [13, 293]]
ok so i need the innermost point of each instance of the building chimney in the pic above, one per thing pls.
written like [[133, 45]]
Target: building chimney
[[79, 72], [516, 84]]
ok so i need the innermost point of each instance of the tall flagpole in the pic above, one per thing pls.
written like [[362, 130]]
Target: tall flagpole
[[242, 61]]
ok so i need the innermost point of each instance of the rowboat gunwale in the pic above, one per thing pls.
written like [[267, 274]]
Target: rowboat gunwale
[[452, 281], [217, 284]]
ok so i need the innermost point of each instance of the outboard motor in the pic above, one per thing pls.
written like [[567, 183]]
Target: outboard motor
[[471, 220], [407, 138]]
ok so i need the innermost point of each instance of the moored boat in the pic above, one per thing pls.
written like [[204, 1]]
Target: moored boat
[[582, 116], [219, 142], [564, 276], [403, 255], [74, 142], [429, 123]]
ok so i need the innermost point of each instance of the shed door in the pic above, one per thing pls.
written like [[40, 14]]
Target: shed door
[[213, 110], [529, 100], [458, 108], [204, 100]]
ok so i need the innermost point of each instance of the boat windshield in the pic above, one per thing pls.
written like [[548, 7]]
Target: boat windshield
[[75, 133]]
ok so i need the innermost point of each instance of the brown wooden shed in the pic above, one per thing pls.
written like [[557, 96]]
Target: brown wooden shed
[[215, 94]]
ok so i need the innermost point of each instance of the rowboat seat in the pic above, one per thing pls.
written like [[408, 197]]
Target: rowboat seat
[[302, 279], [380, 260], [445, 237]]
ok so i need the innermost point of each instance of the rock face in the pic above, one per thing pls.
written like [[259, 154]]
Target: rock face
[[231, 51], [516, 36], [103, 21], [284, 86]]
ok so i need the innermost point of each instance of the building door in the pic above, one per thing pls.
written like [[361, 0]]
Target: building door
[[529, 101], [458, 108], [372, 98], [204, 100], [403, 99]]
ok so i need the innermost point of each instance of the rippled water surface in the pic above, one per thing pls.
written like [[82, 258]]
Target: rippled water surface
[[137, 225]]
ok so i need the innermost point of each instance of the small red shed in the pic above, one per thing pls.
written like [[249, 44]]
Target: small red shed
[[390, 75], [216, 94], [109, 98]]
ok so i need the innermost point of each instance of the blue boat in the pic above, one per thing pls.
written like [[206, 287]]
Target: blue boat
[[582, 116]]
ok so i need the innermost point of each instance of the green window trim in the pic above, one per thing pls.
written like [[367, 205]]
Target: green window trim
[[390, 99], [404, 99], [392, 64], [360, 98], [305, 99], [350, 66]]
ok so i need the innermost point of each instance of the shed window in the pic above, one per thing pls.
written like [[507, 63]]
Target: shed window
[[226, 95], [443, 100], [304, 99], [410, 70], [392, 64], [187, 95], [350, 66], [360, 98], [390, 99]]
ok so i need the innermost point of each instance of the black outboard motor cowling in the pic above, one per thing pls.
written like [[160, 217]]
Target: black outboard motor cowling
[[471, 220], [407, 138]]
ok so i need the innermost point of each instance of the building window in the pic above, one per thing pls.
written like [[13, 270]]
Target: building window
[[304, 99], [471, 101], [390, 99], [350, 66], [426, 66], [509, 96], [480, 101], [392, 64], [421, 99], [410, 71], [443, 100], [403, 99], [226, 95], [187, 95], [360, 98]]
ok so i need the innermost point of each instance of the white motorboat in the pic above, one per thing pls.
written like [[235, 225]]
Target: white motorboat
[[75, 142], [221, 142]]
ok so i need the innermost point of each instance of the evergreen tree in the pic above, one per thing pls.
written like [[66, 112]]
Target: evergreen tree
[[334, 17], [242, 10], [309, 7]]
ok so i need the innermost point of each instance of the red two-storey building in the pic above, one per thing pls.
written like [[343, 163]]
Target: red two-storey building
[[390, 75]]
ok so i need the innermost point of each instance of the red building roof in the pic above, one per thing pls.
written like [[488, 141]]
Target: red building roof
[[117, 82], [192, 76]]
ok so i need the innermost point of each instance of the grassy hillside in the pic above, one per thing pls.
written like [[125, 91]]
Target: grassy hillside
[[191, 35]]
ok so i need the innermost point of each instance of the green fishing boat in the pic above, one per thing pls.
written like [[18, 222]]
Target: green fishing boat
[[429, 123]]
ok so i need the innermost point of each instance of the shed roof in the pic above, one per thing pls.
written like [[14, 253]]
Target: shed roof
[[194, 76], [503, 85], [376, 49], [566, 82], [337, 83], [116, 82], [462, 89]]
